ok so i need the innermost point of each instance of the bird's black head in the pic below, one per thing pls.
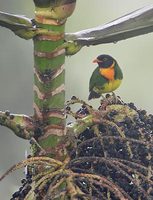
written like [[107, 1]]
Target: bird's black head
[[104, 61]]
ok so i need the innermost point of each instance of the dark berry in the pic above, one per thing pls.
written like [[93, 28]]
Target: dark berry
[[127, 120], [113, 129], [22, 195], [107, 95], [28, 176], [142, 117], [28, 187], [23, 181], [36, 190], [38, 198], [16, 194], [111, 114], [29, 156], [149, 121], [29, 180], [31, 141], [11, 116], [38, 132], [83, 111], [73, 98], [7, 112], [143, 112], [131, 105], [69, 123], [46, 187], [151, 192], [119, 124], [68, 108], [20, 189], [25, 191]]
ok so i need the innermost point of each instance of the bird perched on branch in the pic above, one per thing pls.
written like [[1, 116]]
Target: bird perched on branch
[[107, 77]]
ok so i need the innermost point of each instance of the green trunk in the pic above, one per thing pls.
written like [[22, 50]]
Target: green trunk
[[49, 76]]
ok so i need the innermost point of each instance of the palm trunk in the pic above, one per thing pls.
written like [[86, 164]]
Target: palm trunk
[[49, 77]]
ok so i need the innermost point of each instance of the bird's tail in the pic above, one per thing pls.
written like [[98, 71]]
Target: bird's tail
[[93, 95]]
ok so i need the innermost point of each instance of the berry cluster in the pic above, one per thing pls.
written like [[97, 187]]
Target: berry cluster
[[120, 150], [110, 159], [24, 189]]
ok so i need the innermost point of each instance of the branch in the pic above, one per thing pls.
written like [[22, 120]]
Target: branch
[[133, 24], [21, 125], [92, 117], [80, 125], [20, 25]]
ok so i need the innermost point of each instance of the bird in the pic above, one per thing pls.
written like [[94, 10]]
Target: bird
[[106, 78]]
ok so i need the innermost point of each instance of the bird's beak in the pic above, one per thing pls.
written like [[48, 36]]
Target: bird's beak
[[96, 61]]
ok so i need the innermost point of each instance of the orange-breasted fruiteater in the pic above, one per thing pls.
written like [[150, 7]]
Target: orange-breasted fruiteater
[[106, 78]]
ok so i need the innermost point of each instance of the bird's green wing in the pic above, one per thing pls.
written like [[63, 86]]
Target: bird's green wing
[[96, 80], [118, 72]]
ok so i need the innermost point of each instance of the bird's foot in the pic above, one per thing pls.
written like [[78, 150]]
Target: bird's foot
[[105, 101], [109, 100], [115, 98]]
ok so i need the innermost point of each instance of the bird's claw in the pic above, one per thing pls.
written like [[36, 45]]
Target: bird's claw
[[109, 100]]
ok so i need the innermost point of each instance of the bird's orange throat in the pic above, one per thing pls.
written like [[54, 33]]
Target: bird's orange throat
[[108, 73]]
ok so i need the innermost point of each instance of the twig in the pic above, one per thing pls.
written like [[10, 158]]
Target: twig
[[34, 160], [103, 181]]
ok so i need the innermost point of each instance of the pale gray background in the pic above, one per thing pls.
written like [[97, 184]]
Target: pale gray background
[[135, 56]]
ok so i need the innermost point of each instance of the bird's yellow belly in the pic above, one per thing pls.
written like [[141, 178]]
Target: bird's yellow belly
[[108, 87]]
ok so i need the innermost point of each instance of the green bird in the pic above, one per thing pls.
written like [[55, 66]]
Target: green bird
[[107, 77]]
